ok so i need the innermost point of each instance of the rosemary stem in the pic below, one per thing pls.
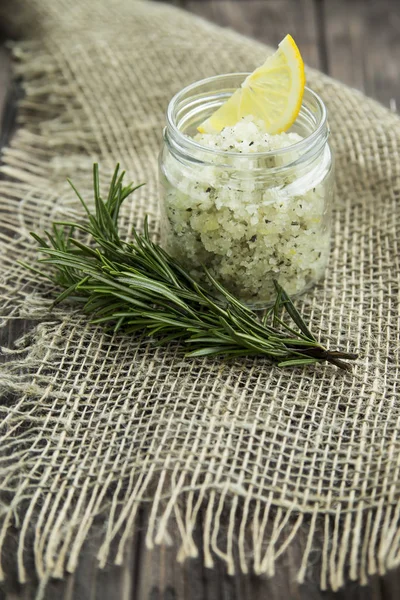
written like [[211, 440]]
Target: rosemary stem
[[136, 286]]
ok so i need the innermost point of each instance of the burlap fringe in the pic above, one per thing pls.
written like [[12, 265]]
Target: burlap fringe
[[256, 532], [356, 543]]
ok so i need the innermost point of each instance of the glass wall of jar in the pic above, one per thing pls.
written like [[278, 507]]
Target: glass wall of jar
[[249, 218]]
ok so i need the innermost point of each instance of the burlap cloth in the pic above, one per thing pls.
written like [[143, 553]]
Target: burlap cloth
[[94, 426]]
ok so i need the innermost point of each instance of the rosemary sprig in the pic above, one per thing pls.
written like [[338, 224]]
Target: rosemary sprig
[[137, 286]]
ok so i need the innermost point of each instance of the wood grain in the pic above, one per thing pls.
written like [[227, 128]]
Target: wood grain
[[354, 41], [363, 46], [358, 42], [5, 76], [267, 21], [5, 87]]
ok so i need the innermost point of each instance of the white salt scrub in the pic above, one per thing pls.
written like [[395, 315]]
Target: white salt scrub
[[248, 226]]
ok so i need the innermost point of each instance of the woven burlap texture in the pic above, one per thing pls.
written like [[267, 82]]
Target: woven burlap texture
[[93, 426]]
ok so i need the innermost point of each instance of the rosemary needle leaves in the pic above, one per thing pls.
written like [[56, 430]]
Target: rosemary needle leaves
[[137, 286]]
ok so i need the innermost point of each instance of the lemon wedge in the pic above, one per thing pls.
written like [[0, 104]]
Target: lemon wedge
[[273, 93]]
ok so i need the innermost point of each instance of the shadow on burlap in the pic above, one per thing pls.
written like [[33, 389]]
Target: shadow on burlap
[[95, 424]]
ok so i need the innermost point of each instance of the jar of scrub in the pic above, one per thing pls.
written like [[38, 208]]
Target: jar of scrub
[[249, 206]]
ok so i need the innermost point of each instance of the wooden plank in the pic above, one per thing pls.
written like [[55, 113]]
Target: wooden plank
[[154, 574], [363, 46], [5, 76], [162, 578], [266, 20], [5, 88], [160, 575]]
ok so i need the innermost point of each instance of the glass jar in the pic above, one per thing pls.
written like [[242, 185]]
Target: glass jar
[[249, 218]]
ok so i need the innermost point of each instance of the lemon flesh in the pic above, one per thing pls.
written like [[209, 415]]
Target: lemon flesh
[[273, 93]]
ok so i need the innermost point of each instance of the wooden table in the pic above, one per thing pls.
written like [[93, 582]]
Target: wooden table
[[355, 41], [358, 42]]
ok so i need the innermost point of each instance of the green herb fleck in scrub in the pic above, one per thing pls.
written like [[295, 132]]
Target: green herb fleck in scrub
[[136, 286], [243, 195]]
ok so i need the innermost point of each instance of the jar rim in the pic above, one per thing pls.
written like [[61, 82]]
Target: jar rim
[[189, 142]]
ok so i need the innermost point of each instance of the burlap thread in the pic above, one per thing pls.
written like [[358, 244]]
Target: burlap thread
[[95, 425]]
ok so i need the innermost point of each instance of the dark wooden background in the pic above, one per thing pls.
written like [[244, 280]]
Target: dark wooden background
[[358, 42], [355, 41]]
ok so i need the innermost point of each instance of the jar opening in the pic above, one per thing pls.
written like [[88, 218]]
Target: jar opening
[[196, 102]]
